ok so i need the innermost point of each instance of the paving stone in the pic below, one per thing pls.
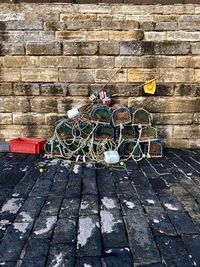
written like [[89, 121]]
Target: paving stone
[[52, 206], [41, 188], [89, 205], [109, 201], [88, 261], [159, 221], [61, 255], [62, 174], [58, 189], [8, 264], [113, 229], [69, 208], [124, 186], [36, 252], [192, 243], [129, 204], [152, 265], [177, 218], [118, 257], [105, 181], [73, 188], [138, 178], [173, 251], [14, 240], [158, 184], [89, 237], [65, 231], [44, 226], [141, 240], [32, 206], [89, 184]]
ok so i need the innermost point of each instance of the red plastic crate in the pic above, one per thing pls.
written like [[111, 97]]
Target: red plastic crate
[[27, 145]]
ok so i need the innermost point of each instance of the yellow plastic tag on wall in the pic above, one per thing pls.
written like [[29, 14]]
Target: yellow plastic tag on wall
[[150, 87]]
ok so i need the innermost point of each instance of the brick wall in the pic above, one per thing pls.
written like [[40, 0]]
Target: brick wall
[[52, 56]]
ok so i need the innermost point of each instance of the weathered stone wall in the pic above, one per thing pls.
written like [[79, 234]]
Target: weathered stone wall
[[54, 55]]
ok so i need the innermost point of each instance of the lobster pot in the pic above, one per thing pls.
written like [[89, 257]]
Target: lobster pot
[[142, 117], [66, 132], [103, 132], [128, 132], [130, 147], [154, 149], [85, 129], [100, 114], [148, 133], [52, 147], [120, 115]]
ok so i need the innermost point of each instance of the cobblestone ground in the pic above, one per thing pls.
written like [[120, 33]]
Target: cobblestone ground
[[75, 215]]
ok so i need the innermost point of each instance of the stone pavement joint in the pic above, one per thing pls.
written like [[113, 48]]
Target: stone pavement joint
[[74, 215]]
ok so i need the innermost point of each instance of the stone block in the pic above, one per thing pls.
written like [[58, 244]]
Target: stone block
[[39, 75], [10, 74], [66, 250], [155, 36], [177, 9], [158, 61], [20, 62], [132, 9], [78, 89], [97, 35], [197, 118], [43, 48], [71, 35], [76, 75], [43, 104], [166, 104], [195, 48], [58, 61], [104, 75], [109, 48], [129, 35], [183, 36], [20, 37], [83, 24], [189, 25], [5, 118], [80, 48], [172, 118], [147, 25], [56, 89], [5, 89], [172, 48], [136, 48], [71, 102], [26, 89], [186, 131], [51, 118], [77, 16], [142, 75], [24, 25], [47, 15], [96, 62], [182, 75], [14, 131], [186, 89], [128, 62], [28, 118], [116, 24], [197, 75], [177, 143], [166, 26], [104, 9], [7, 16]]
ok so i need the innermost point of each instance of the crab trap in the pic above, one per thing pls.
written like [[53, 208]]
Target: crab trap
[[128, 148], [100, 114], [53, 147], [148, 133], [85, 129], [120, 115], [141, 117], [153, 149], [128, 132], [103, 132], [66, 132]]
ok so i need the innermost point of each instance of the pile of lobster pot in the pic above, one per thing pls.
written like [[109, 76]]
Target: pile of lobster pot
[[105, 135]]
